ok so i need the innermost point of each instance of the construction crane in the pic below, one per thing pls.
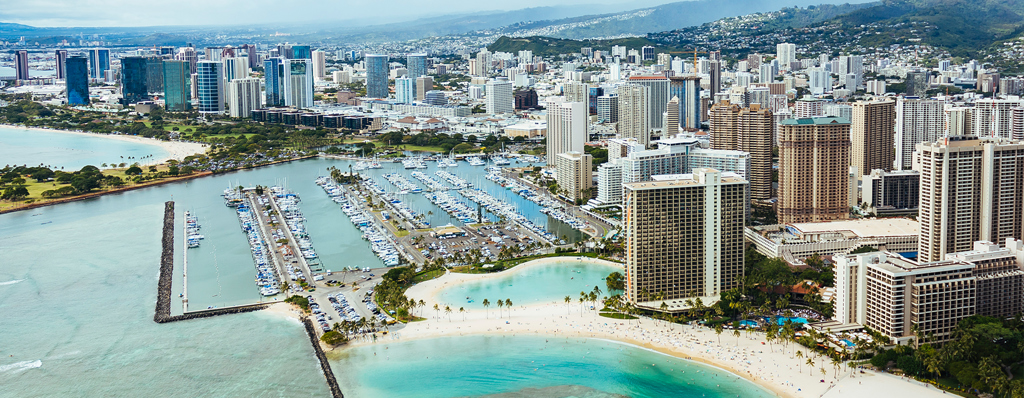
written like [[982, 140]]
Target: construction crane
[[695, 52]]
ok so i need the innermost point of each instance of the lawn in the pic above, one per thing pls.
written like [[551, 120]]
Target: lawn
[[616, 315], [35, 189]]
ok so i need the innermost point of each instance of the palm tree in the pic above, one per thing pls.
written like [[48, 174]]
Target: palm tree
[[463, 312], [500, 304], [718, 331], [581, 304], [486, 305], [810, 363], [508, 304], [836, 363], [437, 311], [567, 301], [800, 354], [448, 310]]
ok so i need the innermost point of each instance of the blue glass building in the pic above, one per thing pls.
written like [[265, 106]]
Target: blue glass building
[[176, 89], [76, 77], [592, 95], [273, 72], [210, 86], [133, 80], [376, 76], [301, 52], [687, 89], [99, 62]]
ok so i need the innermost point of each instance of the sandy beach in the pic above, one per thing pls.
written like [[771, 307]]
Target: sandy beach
[[176, 150], [774, 367]]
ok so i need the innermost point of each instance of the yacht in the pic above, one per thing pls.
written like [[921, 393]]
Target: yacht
[[500, 161], [475, 161]]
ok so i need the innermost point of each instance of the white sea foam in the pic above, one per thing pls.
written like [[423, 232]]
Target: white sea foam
[[10, 282], [20, 366]]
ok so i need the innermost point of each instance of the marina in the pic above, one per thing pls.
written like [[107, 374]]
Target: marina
[[381, 243]]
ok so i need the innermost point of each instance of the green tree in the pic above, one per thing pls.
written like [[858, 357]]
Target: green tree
[[334, 338], [615, 281], [133, 171]]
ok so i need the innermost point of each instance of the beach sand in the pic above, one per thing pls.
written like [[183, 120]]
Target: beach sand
[[774, 366], [176, 150]]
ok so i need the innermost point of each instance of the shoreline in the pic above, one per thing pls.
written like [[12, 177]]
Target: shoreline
[[176, 150], [773, 367]]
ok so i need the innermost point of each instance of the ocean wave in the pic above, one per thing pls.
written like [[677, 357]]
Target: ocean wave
[[10, 282], [20, 366]]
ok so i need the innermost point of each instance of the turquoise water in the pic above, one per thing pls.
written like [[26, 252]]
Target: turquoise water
[[480, 365], [544, 283], [78, 288], [77, 298], [782, 320], [20, 146]]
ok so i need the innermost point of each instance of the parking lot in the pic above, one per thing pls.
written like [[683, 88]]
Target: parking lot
[[481, 244]]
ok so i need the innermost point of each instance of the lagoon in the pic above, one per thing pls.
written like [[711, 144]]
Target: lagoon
[[533, 366], [535, 284]]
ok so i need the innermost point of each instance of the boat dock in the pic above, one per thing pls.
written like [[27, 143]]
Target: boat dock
[[184, 272]]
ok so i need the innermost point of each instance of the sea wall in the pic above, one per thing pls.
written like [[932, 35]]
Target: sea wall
[[163, 284], [325, 366]]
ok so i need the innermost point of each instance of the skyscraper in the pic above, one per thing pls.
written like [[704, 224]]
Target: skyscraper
[[60, 57], [99, 62], [567, 127], [416, 64], [992, 118], [188, 54], [916, 84], [574, 173], [424, 84], [236, 68], [917, 121], [133, 80], [273, 73], [871, 135], [634, 112], [814, 157], [608, 108], [785, 53], [76, 80], [301, 52], [243, 97], [715, 75], [687, 89], [210, 86], [405, 92], [176, 89], [749, 130], [659, 96], [319, 65], [154, 75], [376, 75], [298, 83], [499, 96], [971, 189], [684, 238], [21, 65], [672, 117]]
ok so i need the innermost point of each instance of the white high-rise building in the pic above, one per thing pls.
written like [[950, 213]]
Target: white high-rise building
[[244, 95], [319, 65], [785, 53], [499, 96], [917, 121], [525, 57], [567, 127], [298, 83], [609, 183], [634, 112], [405, 90], [744, 79], [970, 189], [992, 117], [236, 68], [819, 80]]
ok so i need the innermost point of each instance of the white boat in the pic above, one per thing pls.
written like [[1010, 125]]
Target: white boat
[[475, 161], [500, 161]]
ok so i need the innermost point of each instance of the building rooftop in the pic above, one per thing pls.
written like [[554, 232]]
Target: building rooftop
[[815, 121], [864, 228]]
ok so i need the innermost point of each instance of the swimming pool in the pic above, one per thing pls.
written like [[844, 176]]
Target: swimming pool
[[782, 320]]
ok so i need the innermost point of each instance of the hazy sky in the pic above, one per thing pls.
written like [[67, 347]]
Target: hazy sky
[[87, 13]]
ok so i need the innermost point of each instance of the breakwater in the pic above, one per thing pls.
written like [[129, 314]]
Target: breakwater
[[163, 285], [325, 367]]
